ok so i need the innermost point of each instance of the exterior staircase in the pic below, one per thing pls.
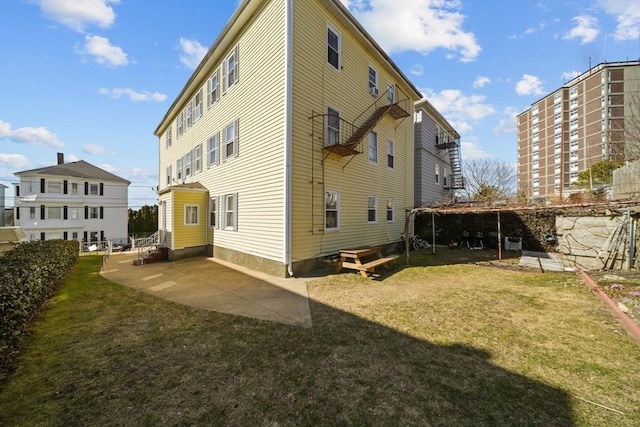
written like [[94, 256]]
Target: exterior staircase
[[445, 142], [150, 249]]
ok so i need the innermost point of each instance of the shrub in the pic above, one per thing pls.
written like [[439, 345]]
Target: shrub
[[30, 274]]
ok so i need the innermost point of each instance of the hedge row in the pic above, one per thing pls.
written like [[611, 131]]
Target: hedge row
[[30, 274]]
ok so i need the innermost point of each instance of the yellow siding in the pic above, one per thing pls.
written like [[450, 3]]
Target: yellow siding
[[317, 85], [257, 174], [188, 235]]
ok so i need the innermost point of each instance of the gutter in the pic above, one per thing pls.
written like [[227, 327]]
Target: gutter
[[632, 328], [288, 101]]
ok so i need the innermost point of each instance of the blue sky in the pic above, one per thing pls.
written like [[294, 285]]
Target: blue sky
[[93, 78]]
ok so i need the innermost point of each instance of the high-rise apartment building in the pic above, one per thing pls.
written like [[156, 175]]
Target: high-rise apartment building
[[585, 121]]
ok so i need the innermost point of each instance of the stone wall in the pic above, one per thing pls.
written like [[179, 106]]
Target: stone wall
[[626, 181]]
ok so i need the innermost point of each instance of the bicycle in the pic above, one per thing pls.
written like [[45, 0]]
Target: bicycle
[[415, 243]]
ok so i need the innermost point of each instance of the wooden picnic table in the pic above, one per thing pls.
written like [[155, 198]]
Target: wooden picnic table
[[357, 257]]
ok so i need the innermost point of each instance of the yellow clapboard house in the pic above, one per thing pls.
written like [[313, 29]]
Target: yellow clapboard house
[[292, 139]]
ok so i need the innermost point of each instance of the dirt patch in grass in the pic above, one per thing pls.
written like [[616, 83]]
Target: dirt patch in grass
[[425, 344]]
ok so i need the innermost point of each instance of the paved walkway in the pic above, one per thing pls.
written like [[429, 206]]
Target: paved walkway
[[216, 285]]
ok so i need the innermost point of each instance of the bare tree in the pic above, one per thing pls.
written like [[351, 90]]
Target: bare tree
[[488, 180]]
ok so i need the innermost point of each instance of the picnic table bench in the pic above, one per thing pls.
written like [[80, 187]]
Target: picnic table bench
[[357, 256]]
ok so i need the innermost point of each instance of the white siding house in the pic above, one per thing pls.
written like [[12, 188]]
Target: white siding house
[[71, 201]]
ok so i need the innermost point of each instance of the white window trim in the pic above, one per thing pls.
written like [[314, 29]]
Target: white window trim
[[233, 210], [372, 135], [390, 154], [337, 210], [227, 84], [214, 141], [373, 86], [339, 50], [392, 210], [214, 209], [234, 141], [330, 130], [213, 94], [187, 218], [375, 209]]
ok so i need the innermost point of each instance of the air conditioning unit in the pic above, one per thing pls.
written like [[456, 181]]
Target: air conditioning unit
[[373, 91]]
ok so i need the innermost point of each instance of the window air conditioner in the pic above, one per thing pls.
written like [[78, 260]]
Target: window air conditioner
[[373, 91]]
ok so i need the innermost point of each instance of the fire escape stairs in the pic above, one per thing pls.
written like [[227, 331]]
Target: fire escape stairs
[[366, 127], [453, 148]]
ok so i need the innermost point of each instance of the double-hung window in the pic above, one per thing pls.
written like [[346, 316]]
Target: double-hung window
[[168, 137], [54, 186], [231, 211], [230, 69], [179, 168], [373, 81], [372, 202], [93, 189], [333, 48], [93, 212], [437, 171], [331, 210], [213, 156], [389, 210], [373, 147], [180, 124], [187, 114], [191, 216], [187, 164], [213, 212], [213, 88], [390, 154], [168, 174], [197, 159], [230, 141], [54, 212], [333, 127], [32, 212], [197, 105]]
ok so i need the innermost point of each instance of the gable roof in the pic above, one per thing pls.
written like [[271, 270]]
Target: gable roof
[[79, 169]]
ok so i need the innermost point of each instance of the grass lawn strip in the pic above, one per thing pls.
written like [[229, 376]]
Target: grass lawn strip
[[441, 345]]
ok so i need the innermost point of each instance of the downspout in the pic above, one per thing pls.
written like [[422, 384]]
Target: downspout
[[288, 130]]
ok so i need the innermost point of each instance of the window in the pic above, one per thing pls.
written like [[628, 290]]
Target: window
[[32, 212], [168, 173], [212, 158], [191, 215], [373, 81], [231, 212], [187, 114], [179, 168], [213, 89], [331, 206], [74, 188], [371, 209], [180, 123], [437, 171], [187, 164], [93, 189], [93, 213], [231, 69], [74, 213], [390, 154], [54, 186], [390, 94], [230, 142], [213, 212], [74, 235], [197, 105], [333, 127], [197, 159], [54, 213], [94, 236], [168, 137], [389, 210], [33, 186], [333, 48], [373, 147]]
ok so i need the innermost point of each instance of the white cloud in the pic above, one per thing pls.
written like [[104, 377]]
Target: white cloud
[[71, 158], [103, 51], [109, 168], [471, 150], [481, 81], [14, 162], [418, 25], [94, 149], [133, 95], [529, 85], [570, 75], [417, 70], [509, 122], [192, 52], [627, 13], [458, 108], [586, 29], [77, 15], [30, 135]]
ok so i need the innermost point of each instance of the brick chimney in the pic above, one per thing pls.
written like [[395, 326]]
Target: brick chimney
[[60, 158]]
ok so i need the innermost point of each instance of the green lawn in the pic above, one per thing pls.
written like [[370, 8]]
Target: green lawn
[[460, 344]]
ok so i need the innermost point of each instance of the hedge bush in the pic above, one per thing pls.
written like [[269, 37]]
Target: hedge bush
[[30, 274]]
